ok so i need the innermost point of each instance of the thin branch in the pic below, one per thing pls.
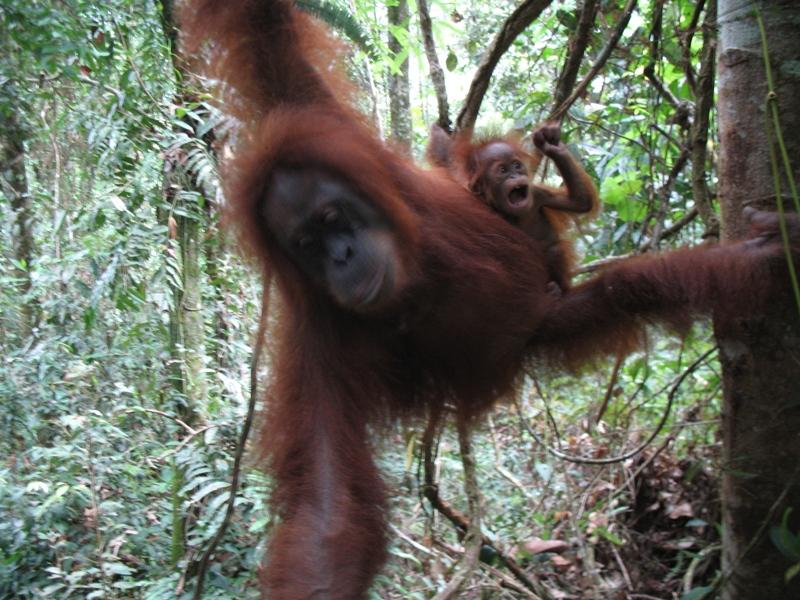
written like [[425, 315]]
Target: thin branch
[[631, 453], [598, 64], [700, 557], [602, 263], [519, 20], [623, 569], [667, 233], [577, 45], [186, 440], [685, 40], [437, 73], [655, 54], [663, 198], [672, 99], [416, 545], [430, 487], [669, 439], [704, 101], [132, 63], [667, 135], [670, 231], [609, 389], [508, 582], [188, 428], [595, 123]]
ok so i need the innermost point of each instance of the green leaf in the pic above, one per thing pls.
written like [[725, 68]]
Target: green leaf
[[452, 61], [208, 489], [117, 568], [697, 593], [567, 18], [784, 540], [99, 219], [339, 19], [606, 534], [117, 203], [89, 318], [398, 61], [59, 493], [620, 191]]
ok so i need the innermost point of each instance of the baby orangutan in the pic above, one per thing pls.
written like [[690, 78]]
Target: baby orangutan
[[499, 171]]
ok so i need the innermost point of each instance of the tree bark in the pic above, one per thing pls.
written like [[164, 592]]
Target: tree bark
[[436, 71], [187, 326], [15, 182], [704, 100], [214, 252], [191, 309], [188, 220], [399, 91], [599, 63], [576, 49], [761, 414]]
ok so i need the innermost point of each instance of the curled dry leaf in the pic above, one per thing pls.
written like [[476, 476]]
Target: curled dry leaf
[[537, 546], [684, 509]]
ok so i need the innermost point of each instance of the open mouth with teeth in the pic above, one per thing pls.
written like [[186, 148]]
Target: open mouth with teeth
[[518, 195]]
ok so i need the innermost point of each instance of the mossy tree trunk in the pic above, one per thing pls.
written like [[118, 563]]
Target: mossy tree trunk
[[15, 185], [399, 91], [184, 203], [761, 370]]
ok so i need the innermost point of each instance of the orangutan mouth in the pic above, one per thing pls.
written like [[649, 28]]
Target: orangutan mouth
[[518, 195]]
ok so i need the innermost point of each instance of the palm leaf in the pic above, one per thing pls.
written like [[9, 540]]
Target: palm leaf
[[338, 19]]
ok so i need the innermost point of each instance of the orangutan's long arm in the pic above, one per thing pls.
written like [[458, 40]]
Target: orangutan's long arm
[[606, 314]]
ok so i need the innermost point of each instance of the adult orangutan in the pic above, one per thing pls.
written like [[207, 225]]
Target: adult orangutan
[[499, 172], [399, 289]]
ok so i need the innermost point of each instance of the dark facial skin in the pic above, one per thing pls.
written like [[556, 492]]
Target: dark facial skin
[[506, 182], [339, 241]]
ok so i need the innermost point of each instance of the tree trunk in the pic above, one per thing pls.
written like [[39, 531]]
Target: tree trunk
[[12, 171], [214, 247], [399, 94], [187, 326], [191, 309], [698, 139], [576, 49], [761, 415], [436, 72], [188, 219]]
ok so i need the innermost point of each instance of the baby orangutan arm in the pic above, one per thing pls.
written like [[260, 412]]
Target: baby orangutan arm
[[579, 194]]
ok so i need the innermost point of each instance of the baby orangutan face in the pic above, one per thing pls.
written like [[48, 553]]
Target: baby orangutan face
[[503, 179]]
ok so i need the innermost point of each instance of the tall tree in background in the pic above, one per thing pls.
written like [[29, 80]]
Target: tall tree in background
[[184, 198], [183, 194], [761, 417], [14, 182], [399, 94]]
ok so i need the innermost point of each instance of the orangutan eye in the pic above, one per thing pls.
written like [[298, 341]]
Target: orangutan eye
[[305, 243], [330, 216]]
